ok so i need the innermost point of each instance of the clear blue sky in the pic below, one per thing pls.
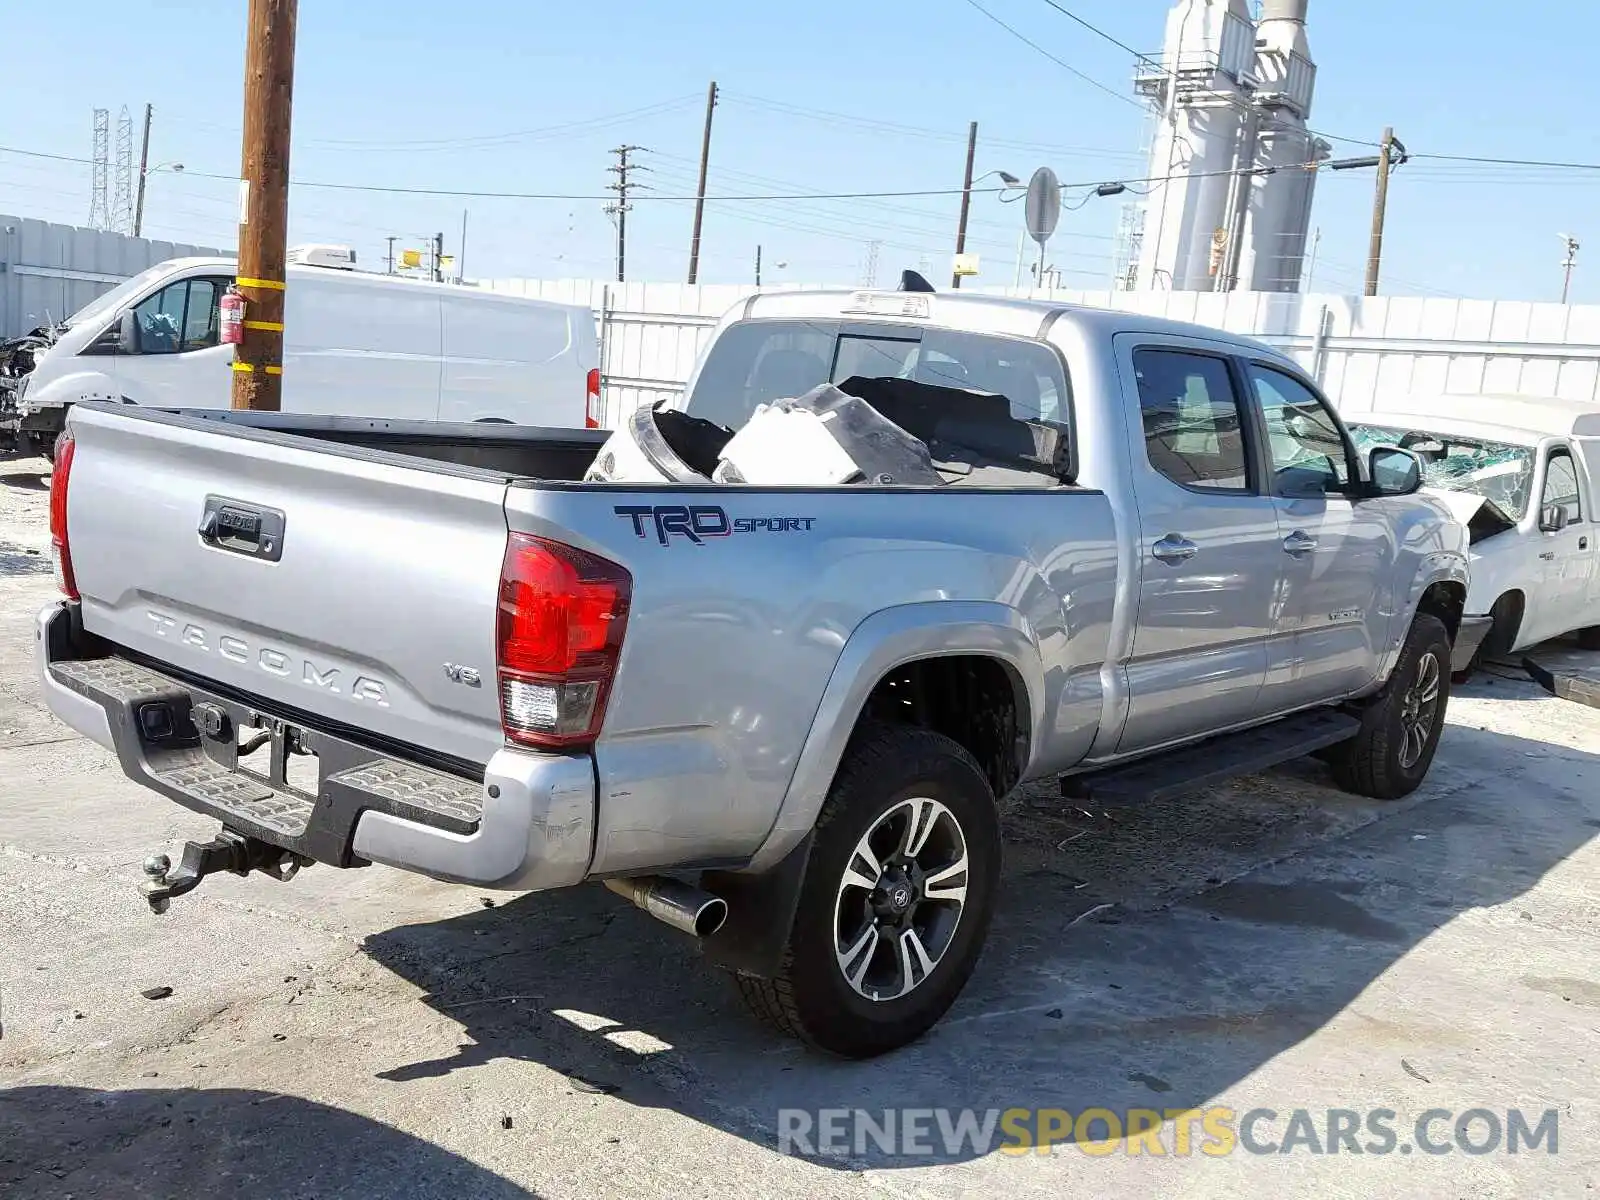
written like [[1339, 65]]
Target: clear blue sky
[[392, 94]]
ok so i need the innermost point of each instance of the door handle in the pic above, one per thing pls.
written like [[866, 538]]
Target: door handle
[[1583, 543], [1174, 549], [1299, 542]]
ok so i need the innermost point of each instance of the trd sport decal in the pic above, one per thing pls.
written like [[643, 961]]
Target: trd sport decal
[[701, 521]]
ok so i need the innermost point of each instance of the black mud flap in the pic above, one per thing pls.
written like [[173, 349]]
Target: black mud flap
[[761, 912]]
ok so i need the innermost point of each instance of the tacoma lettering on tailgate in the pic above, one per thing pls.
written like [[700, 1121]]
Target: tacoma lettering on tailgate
[[274, 662]]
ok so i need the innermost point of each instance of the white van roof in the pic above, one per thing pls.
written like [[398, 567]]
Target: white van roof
[[1496, 417]]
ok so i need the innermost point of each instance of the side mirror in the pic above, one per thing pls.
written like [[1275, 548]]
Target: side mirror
[[1552, 518], [128, 333], [1394, 472]]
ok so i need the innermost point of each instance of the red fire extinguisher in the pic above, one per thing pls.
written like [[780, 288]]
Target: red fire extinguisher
[[231, 317]]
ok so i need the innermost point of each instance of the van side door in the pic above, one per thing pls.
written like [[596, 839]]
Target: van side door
[[1209, 561], [1337, 552]]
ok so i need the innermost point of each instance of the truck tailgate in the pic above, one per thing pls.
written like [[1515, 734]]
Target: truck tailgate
[[374, 608]]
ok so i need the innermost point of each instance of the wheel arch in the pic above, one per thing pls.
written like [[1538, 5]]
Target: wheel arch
[[941, 641]]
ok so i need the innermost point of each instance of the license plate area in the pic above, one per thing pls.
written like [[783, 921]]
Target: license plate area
[[277, 753]]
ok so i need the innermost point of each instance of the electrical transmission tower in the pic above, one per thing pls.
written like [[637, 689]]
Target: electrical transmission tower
[[99, 214], [869, 273], [122, 179], [619, 211]]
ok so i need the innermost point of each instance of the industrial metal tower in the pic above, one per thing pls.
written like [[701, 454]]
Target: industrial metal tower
[[99, 213], [1234, 165], [122, 178]]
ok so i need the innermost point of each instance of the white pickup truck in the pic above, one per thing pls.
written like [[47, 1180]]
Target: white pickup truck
[[1523, 474], [1154, 560]]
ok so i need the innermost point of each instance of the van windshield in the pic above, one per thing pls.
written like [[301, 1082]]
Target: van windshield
[[1497, 471], [108, 302], [757, 362]]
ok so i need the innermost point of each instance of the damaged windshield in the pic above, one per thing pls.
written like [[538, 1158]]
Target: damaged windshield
[[1501, 473]]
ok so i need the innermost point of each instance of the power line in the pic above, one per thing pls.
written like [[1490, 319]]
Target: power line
[[588, 125], [1062, 63], [1098, 32], [1512, 162]]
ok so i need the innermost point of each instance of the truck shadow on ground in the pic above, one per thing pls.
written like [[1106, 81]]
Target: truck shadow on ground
[[59, 1141], [1149, 960]]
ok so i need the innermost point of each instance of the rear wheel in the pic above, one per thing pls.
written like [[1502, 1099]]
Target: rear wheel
[[896, 900], [1401, 725]]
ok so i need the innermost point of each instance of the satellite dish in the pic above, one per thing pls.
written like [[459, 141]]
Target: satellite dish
[[1042, 207]]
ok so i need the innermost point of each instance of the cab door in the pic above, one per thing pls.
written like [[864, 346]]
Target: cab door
[[1209, 560], [1566, 551], [1337, 551]]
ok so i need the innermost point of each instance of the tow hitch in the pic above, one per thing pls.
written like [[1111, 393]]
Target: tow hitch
[[228, 851]]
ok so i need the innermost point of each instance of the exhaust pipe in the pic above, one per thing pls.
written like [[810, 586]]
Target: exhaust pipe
[[685, 908]]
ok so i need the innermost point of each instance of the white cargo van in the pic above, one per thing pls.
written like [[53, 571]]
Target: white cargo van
[[355, 344]]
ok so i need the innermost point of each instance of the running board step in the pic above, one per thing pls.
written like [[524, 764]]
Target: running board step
[[1214, 761]]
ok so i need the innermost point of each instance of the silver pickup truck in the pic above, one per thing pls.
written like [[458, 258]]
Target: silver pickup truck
[[779, 719]]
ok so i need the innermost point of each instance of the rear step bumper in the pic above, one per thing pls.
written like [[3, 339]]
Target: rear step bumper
[[528, 826]]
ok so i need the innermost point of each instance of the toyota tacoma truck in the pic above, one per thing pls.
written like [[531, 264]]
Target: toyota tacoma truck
[[779, 719]]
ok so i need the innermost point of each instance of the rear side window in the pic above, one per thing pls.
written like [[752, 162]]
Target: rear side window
[[1193, 423], [757, 362]]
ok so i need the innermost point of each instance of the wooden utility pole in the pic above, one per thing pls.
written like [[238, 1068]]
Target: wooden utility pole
[[624, 184], [438, 258], [264, 203], [390, 259], [1380, 207], [966, 201], [144, 170], [700, 193]]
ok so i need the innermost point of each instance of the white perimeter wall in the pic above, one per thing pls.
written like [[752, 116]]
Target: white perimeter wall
[[1358, 348]]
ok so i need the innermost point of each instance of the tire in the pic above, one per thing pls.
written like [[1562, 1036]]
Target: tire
[[889, 775], [1400, 726], [1502, 635]]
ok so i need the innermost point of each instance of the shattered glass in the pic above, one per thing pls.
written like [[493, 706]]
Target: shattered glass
[[1500, 473]]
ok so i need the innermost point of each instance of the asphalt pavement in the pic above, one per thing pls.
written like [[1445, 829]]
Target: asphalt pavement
[[1268, 947]]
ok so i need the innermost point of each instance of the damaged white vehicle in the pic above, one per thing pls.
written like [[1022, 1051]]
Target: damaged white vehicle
[[1522, 474]]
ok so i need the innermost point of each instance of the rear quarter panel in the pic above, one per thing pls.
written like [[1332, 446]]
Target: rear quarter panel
[[733, 640]]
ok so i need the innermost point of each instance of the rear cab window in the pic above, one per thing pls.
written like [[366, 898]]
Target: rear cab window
[[757, 362]]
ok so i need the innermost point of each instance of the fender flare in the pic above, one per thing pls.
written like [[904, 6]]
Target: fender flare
[[1440, 567], [762, 897], [888, 639]]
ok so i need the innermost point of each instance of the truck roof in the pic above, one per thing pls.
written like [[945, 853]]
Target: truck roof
[[980, 314]]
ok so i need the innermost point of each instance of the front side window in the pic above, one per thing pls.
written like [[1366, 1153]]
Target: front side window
[[181, 316], [1561, 486], [1309, 455], [1193, 424]]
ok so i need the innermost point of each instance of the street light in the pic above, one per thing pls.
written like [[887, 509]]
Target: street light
[[1008, 183], [138, 210]]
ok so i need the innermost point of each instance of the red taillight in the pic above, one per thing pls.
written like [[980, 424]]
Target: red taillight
[[591, 407], [563, 612], [65, 580]]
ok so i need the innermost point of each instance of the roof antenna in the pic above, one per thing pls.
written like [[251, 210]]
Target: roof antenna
[[910, 281]]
